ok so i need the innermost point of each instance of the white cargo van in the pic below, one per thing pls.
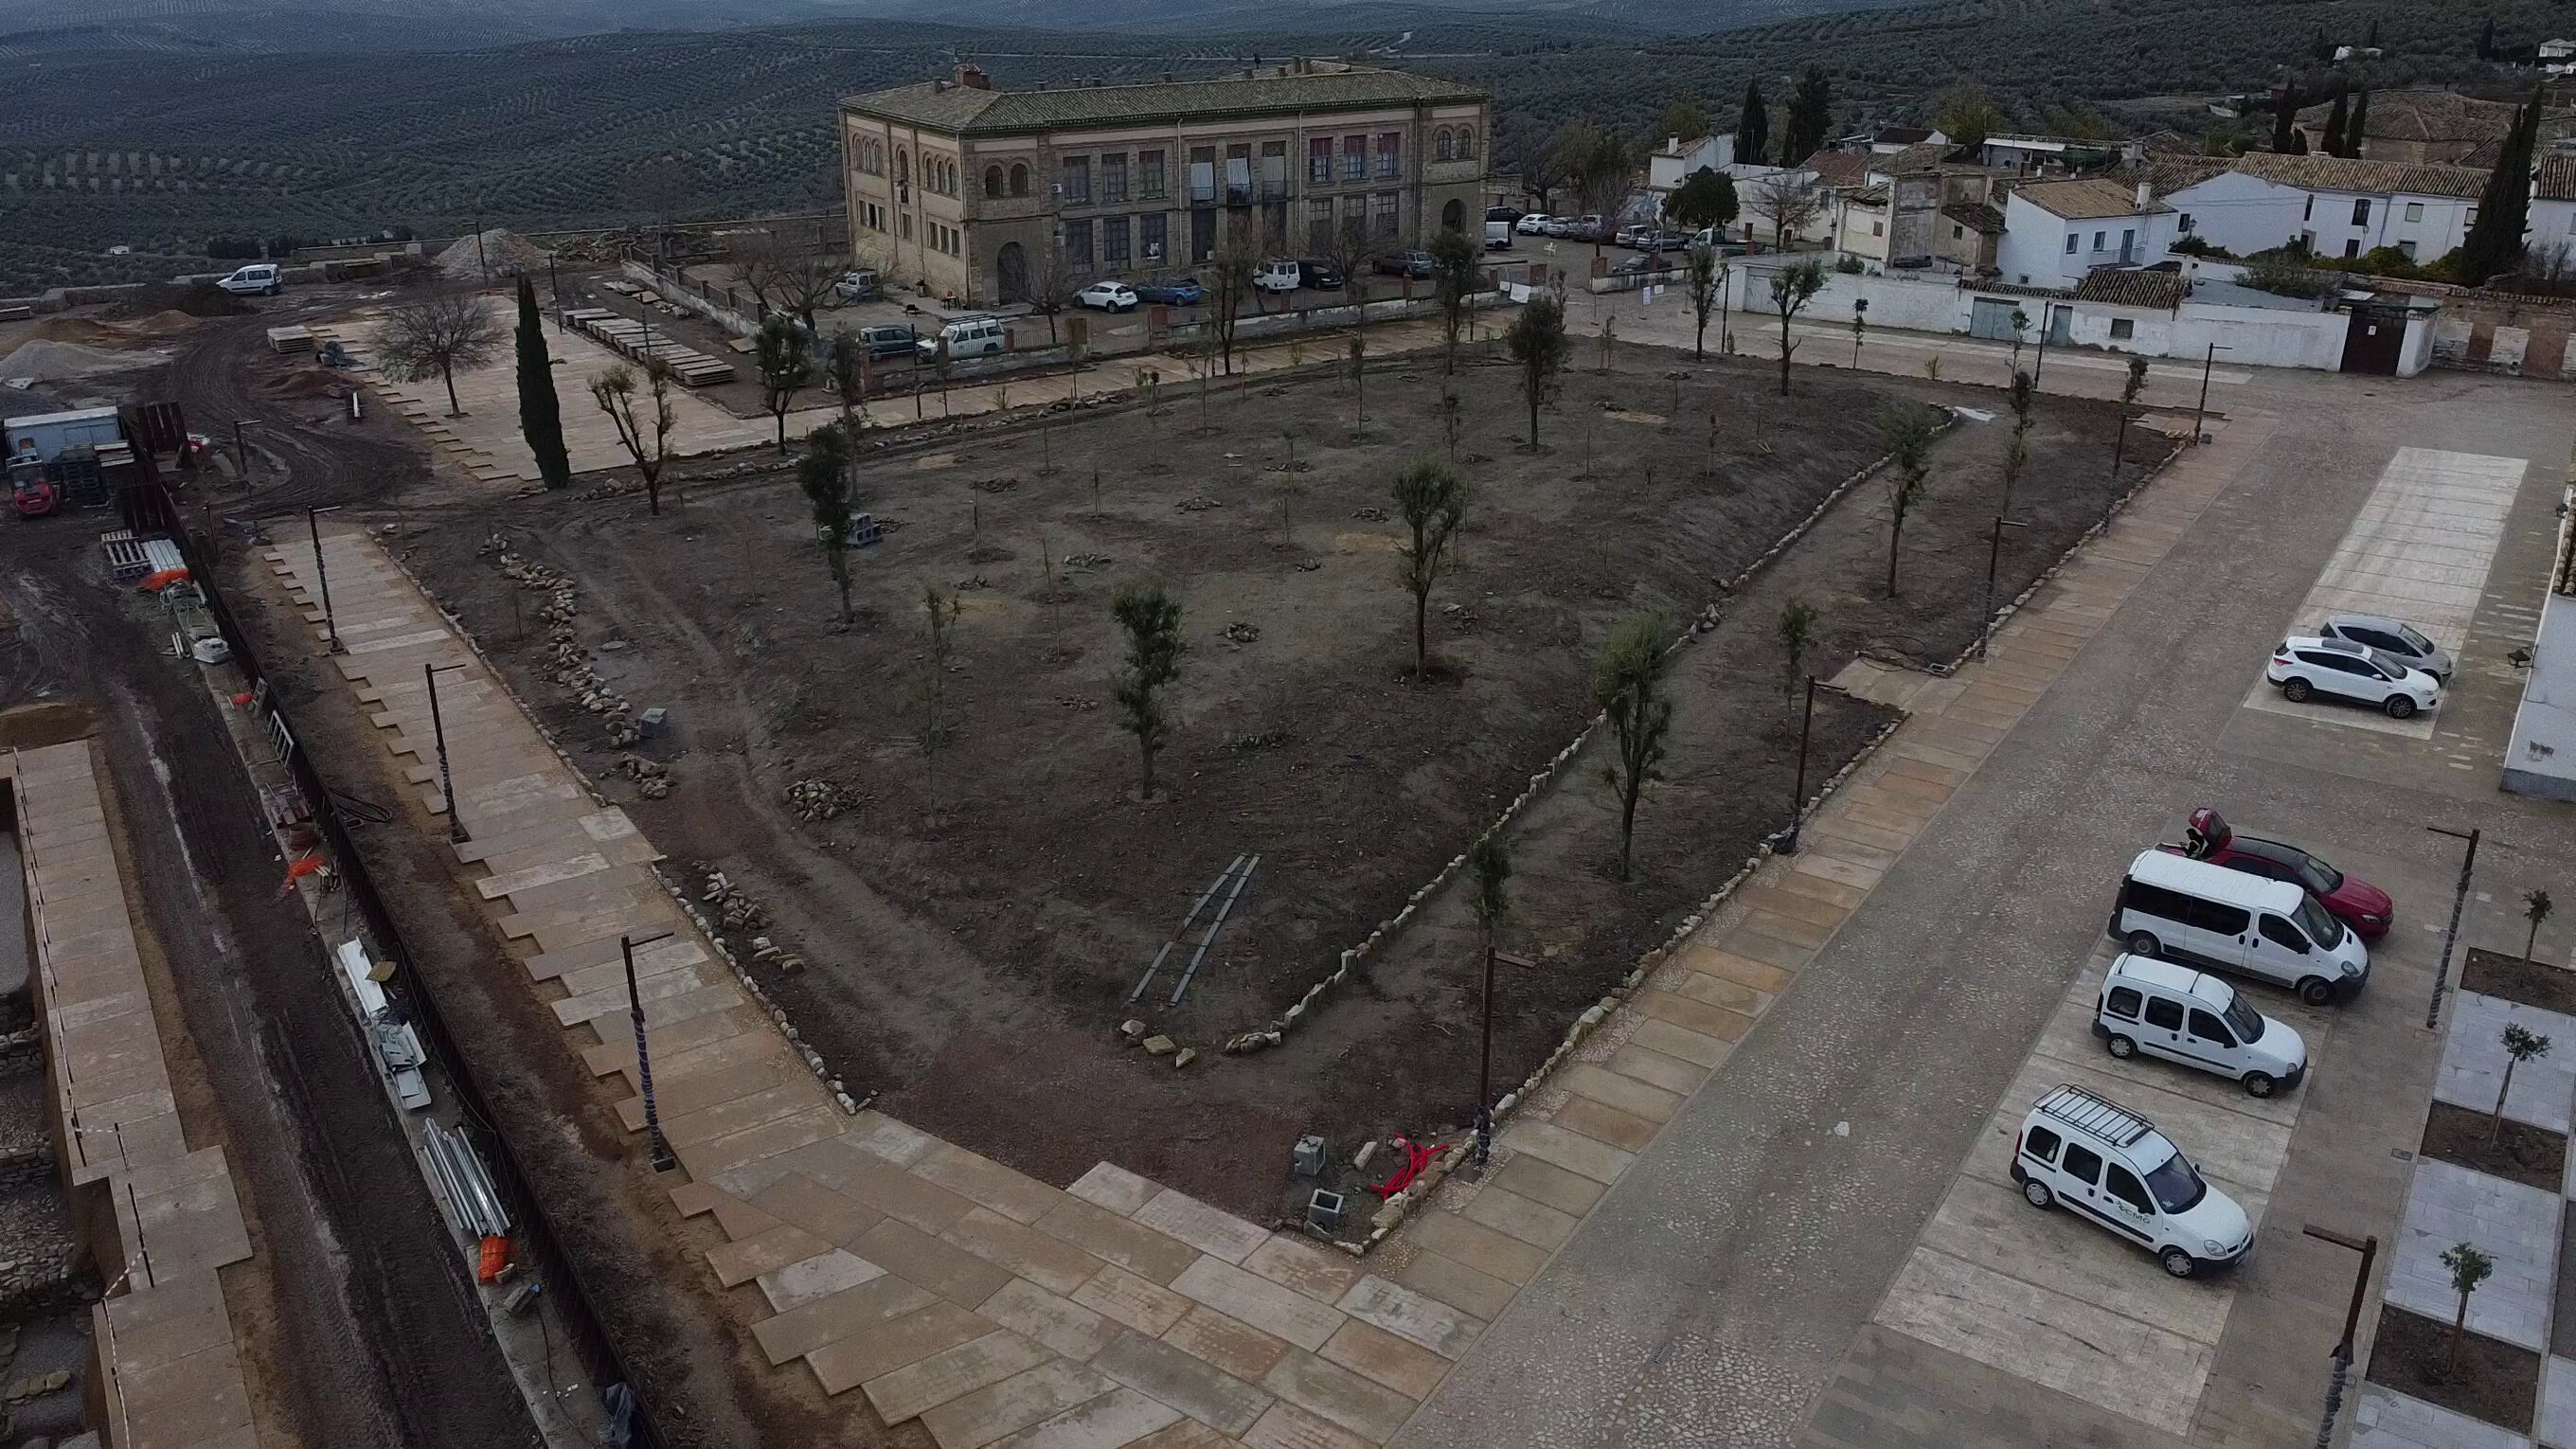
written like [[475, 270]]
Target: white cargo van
[[2159, 1009], [263, 278], [2111, 1167], [1498, 236], [2225, 920], [966, 337]]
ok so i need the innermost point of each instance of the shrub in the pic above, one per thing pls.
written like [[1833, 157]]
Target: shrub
[[1848, 265], [2286, 276]]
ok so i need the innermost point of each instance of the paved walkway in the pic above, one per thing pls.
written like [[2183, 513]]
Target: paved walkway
[[160, 1219], [936, 1283]]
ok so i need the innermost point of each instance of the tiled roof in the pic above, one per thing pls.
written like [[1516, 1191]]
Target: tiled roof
[[1837, 168], [2557, 178], [2087, 198], [2162, 290], [2172, 173], [1925, 157], [1975, 216], [2425, 115], [941, 106], [2376, 178]]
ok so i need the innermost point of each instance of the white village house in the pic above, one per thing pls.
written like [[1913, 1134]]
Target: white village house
[[2057, 231], [2342, 208], [2553, 204], [1668, 166]]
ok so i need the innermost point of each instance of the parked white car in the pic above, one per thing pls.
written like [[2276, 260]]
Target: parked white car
[[1534, 224], [2226, 920], [2395, 638], [2111, 1167], [966, 337], [2305, 667], [2158, 1009], [1107, 297], [263, 279]]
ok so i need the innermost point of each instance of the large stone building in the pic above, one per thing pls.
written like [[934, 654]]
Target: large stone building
[[986, 196]]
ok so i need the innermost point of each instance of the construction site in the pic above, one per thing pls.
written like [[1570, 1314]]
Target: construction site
[[896, 904]]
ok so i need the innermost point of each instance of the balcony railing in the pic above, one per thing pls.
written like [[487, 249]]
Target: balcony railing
[[1202, 195], [1238, 193], [1274, 189]]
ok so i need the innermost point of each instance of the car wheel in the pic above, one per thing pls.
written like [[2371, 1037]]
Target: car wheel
[[2259, 1084], [2179, 1263], [2316, 990], [2036, 1193], [2144, 943], [2296, 691], [2399, 707], [2122, 1047]]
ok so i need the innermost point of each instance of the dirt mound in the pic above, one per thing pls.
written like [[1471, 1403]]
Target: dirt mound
[[166, 323], [45, 360], [189, 299], [495, 253], [33, 726], [308, 382], [84, 332]]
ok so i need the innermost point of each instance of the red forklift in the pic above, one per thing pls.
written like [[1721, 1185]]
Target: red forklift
[[30, 490]]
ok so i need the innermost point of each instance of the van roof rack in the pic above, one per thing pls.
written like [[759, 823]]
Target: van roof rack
[[2079, 1108]]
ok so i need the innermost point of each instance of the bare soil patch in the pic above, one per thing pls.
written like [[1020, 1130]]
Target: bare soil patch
[[2491, 1380], [975, 924], [2532, 1156], [2515, 978]]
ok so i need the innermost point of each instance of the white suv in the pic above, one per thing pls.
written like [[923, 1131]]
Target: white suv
[[2112, 1167], [2305, 666]]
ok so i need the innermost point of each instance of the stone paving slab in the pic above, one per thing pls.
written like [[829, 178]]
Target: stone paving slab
[[2386, 1419], [2556, 1428], [2515, 1225], [2473, 1061], [1114, 1420]]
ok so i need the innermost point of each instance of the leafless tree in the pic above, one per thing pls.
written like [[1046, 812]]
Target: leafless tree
[[1229, 287], [788, 279], [435, 338], [643, 419], [1051, 289], [1346, 247], [1791, 200]]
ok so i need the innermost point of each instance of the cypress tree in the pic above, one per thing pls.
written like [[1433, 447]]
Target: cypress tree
[[2357, 128], [540, 415], [2494, 243], [1752, 126], [2335, 126], [2285, 113]]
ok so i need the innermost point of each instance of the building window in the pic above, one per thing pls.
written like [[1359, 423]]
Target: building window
[[903, 166], [1958, 232], [2361, 212], [1113, 178], [1202, 175], [1319, 161], [1390, 153], [1113, 241], [1149, 175], [1878, 228], [1382, 210], [1076, 171], [2471, 219], [2308, 212], [2101, 241], [903, 226], [1354, 158], [2185, 224], [1077, 245], [2406, 249], [1319, 223], [1019, 179], [1466, 143], [872, 216], [2122, 329], [2128, 241], [1149, 236], [2352, 248], [1440, 144], [2071, 240], [992, 182], [2414, 211]]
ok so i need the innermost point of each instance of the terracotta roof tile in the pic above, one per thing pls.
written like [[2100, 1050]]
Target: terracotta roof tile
[[2088, 198], [2161, 290], [2378, 178]]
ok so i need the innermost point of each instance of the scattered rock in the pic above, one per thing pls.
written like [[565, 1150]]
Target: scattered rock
[[820, 799], [1197, 505], [1242, 632], [1370, 515], [1161, 1046], [1184, 1057], [1360, 1159], [1133, 1029]]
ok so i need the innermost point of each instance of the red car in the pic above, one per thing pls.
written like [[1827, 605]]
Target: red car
[[2357, 903]]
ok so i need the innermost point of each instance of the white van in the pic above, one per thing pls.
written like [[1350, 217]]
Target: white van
[[2225, 920], [1279, 275], [264, 279], [1498, 236], [966, 337], [2191, 1017], [2111, 1167]]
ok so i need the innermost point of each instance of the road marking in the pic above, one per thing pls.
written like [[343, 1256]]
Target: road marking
[[2418, 551], [2047, 1297]]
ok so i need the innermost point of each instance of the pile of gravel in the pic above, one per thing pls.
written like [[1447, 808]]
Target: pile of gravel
[[501, 254], [45, 360]]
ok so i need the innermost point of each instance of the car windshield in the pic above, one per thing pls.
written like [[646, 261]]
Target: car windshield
[[2316, 875], [2319, 923], [2414, 641], [2395, 667], [2243, 1020], [2176, 1185]]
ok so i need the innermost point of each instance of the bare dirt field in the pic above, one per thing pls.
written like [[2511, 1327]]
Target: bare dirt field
[[975, 922]]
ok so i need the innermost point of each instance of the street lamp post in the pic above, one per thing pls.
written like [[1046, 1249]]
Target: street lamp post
[[438, 733], [2369, 1250], [1994, 556], [2047, 316], [241, 450], [322, 573], [554, 291], [2459, 898], [2200, 415], [663, 1161], [1485, 1057], [1786, 842]]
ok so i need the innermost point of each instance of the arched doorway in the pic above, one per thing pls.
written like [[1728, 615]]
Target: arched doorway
[[1453, 217], [1011, 265]]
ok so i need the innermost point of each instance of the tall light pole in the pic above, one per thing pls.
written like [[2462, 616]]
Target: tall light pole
[[1786, 842], [1994, 555], [1485, 1057], [2459, 898], [2047, 316], [2369, 1250], [241, 450], [663, 1161], [322, 573], [2200, 415], [438, 732]]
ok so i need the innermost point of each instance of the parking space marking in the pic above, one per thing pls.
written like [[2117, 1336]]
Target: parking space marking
[[2046, 1296], [2419, 551]]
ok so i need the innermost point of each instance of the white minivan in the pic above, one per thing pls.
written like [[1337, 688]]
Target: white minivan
[[2110, 1166], [263, 278], [966, 337], [2225, 920], [2163, 1010]]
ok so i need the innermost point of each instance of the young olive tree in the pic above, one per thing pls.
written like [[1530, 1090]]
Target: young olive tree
[[1700, 276], [1629, 686], [1539, 349], [436, 338], [1432, 500], [641, 413], [785, 368], [1457, 264], [824, 474], [1151, 619], [1792, 288], [1907, 434]]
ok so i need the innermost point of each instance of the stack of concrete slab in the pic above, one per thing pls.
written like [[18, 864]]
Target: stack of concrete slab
[[290, 339], [639, 341]]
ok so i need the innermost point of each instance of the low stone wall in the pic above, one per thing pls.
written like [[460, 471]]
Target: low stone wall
[[21, 1051]]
